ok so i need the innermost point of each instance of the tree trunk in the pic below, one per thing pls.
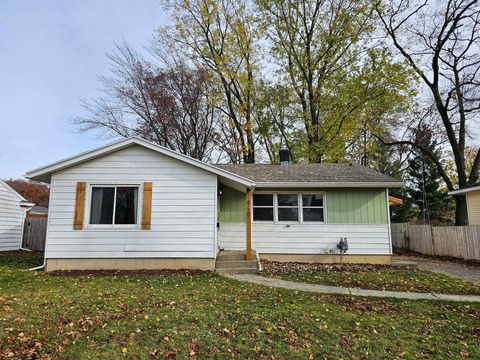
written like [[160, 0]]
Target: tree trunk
[[461, 216], [249, 154]]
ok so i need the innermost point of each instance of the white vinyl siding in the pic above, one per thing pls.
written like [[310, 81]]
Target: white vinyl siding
[[183, 223], [12, 216], [311, 238]]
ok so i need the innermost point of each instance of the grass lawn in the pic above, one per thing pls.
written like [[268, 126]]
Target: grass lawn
[[370, 277], [203, 316]]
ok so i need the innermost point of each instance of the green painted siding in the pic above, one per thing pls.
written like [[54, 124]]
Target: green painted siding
[[356, 206], [232, 205], [344, 206]]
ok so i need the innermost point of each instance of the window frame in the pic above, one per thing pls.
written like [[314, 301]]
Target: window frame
[[274, 198], [114, 226], [300, 207], [323, 207]]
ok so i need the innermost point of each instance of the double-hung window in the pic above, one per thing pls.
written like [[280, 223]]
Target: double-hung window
[[114, 205], [289, 207]]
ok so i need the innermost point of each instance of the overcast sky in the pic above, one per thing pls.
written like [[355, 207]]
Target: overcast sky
[[50, 55]]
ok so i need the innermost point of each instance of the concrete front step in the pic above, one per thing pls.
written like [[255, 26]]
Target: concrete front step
[[235, 264], [237, 270], [232, 255]]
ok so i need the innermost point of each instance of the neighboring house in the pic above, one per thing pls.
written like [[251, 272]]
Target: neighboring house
[[472, 194], [38, 211], [13, 208], [136, 205]]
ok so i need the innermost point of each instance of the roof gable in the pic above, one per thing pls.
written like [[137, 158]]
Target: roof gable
[[12, 191], [22, 201], [44, 173]]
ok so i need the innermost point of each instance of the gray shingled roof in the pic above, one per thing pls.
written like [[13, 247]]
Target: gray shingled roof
[[310, 173]]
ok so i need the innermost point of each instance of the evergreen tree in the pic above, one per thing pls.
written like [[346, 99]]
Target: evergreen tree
[[424, 181], [388, 160]]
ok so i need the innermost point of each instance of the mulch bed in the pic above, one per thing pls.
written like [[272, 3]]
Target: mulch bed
[[406, 252], [159, 273], [275, 267]]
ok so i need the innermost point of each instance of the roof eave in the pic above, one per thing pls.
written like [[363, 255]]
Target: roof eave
[[464, 191], [329, 184], [26, 204], [44, 173]]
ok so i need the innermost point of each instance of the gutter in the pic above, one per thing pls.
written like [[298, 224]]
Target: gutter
[[464, 191], [329, 184]]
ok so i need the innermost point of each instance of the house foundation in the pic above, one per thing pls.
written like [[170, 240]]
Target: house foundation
[[329, 258], [131, 264]]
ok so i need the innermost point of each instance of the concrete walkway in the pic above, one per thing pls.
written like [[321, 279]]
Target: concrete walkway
[[291, 285], [458, 270]]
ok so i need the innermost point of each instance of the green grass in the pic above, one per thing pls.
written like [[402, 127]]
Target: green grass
[[379, 279], [203, 316]]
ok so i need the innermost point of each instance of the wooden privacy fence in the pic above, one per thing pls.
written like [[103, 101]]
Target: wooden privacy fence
[[34, 233], [457, 241]]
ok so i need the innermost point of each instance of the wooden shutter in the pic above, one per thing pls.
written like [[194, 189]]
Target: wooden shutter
[[79, 206], [147, 206]]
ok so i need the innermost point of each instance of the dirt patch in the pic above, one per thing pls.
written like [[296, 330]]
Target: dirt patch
[[410, 253], [275, 267], [159, 273], [364, 305]]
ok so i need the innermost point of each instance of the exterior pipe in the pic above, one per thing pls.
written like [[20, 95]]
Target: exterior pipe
[[259, 264], [41, 266], [38, 267]]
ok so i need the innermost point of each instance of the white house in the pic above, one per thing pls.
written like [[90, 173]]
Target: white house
[[136, 205], [472, 196], [13, 208]]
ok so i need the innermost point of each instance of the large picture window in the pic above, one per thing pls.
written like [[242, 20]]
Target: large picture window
[[114, 205], [285, 207], [263, 207]]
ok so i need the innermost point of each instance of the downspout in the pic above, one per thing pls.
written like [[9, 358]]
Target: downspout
[[23, 231], [44, 256], [41, 266]]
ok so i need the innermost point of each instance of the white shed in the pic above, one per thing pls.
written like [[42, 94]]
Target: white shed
[[13, 208]]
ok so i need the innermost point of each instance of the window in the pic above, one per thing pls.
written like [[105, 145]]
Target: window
[[312, 207], [293, 207], [287, 207], [263, 207], [114, 205]]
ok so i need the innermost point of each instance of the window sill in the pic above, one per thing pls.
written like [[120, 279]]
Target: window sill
[[112, 227], [291, 222]]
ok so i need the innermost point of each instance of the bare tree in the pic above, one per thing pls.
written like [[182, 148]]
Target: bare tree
[[221, 37], [441, 42], [171, 107]]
